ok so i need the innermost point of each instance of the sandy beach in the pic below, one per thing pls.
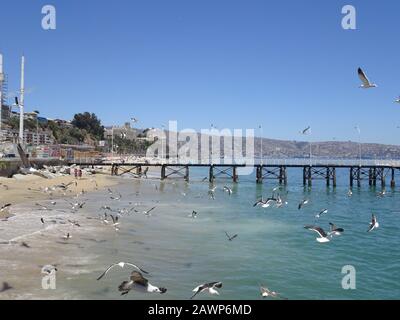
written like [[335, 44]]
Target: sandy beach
[[26, 244]]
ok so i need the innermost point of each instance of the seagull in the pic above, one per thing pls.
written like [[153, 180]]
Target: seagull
[[139, 283], [5, 287], [42, 207], [306, 130], [193, 214], [325, 211], [382, 193], [49, 269], [74, 223], [134, 120], [265, 293], [67, 236], [373, 224], [5, 207], [335, 230], [228, 190], [210, 287], [229, 237], [324, 237], [25, 245], [366, 83], [303, 203], [397, 100], [122, 265], [147, 213], [116, 198], [115, 220], [42, 220], [349, 193], [265, 203], [5, 186]]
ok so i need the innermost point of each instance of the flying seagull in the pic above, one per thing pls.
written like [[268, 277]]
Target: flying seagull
[[303, 203], [228, 190], [139, 283], [366, 83], [325, 211], [147, 213], [335, 230], [373, 224], [5, 207], [324, 237], [210, 287], [306, 130], [265, 293], [230, 238], [122, 265], [397, 100]]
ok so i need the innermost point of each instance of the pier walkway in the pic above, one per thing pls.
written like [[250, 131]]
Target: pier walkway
[[373, 171]]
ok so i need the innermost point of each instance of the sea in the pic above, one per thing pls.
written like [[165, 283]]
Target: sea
[[272, 247]]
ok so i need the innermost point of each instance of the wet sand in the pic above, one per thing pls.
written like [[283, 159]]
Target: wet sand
[[26, 244]]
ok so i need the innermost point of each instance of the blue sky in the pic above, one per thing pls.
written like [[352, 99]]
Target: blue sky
[[234, 63]]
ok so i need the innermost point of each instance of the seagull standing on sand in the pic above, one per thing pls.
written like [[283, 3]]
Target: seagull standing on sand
[[210, 287], [67, 236], [116, 198], [139, 283], [366, 83], [193, 214], [122, 265], [324, 237], [374, 224]]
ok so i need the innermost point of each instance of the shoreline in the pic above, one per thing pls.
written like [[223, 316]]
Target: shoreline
[[26, 244]]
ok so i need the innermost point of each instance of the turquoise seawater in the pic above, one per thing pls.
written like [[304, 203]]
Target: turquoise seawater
[[272, 247]]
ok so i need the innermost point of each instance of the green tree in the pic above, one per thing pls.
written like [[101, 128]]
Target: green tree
[[89, 122]]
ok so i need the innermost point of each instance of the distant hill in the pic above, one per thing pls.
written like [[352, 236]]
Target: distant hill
[[329, 149], [279, 149]]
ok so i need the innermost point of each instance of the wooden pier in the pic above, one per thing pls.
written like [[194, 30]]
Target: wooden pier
[[376, 172]]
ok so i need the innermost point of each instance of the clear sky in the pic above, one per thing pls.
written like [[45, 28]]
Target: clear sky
[[233, 63]]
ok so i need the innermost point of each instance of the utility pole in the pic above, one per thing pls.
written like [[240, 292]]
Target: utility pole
[[1, 88], [21, 103]]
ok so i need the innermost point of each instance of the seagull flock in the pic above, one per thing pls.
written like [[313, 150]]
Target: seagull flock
[[137, 280]]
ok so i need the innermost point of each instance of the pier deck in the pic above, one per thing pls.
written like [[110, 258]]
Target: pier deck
[[316, 169]]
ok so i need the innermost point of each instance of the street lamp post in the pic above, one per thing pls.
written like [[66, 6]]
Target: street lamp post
[[359, 143], [262, 150], [112, 144], [162, 144]]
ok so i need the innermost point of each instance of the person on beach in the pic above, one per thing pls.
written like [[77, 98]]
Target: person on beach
[[80, 173], [76, 173]]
